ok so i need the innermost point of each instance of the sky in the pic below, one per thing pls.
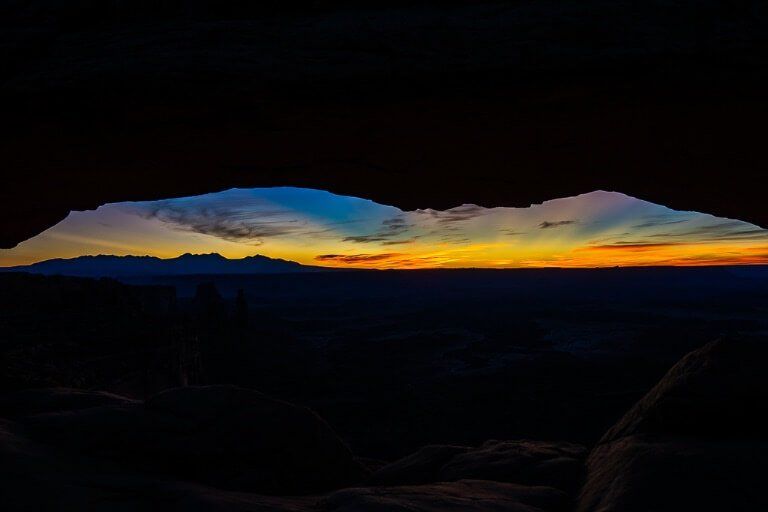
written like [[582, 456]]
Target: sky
[[315, 227]]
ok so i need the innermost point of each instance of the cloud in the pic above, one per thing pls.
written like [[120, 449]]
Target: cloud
[[718, 232], [458, 214], [399, 242], [364, 239], [357, 258], [721, 231], [455, 239], [390, 228], [396, 222], [654, 221], [391, 260], [717, 259], [630, 246], [228, 223], [555, 223]]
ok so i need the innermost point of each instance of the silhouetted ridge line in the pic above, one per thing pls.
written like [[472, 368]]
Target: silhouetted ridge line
[[186, 264]]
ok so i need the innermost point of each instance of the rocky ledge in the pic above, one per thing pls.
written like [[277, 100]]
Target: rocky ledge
[[696, 441]]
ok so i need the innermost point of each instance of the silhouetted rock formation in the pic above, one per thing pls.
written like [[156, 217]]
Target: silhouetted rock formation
[[465, 495], [222, 435], [70, 449], [146, 266], [423, 466], [524, 462], [360, 99], [697, 441], [246, 440], [35, 476]]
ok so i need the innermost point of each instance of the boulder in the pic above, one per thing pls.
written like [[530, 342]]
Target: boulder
[[464, 495], [34, 476], [696, 441], [717, 391], [422, 466], [557, 465], [220, 435], [39, 476], [638, 474], [246, 440]]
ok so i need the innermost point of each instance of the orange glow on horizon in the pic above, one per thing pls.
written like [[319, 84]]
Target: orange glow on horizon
[[677, 255]]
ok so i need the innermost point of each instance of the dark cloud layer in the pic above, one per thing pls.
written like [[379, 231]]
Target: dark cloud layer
[[384, 260], [727, 231], [387, 234], [547, 224], [719, 232], [227, 223], [655, 221], [356, 258], [400, 242], [458, 214], [630, 246]]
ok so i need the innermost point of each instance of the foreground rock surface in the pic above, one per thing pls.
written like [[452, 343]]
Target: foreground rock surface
[[557, 465], [220, 448], [465, 495], [219, 435], [696, 441]]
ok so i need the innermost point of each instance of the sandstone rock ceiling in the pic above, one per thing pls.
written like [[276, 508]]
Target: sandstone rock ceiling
[[417, 104]]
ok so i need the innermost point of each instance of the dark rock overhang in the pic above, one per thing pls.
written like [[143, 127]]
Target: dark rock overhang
[[416, 104]]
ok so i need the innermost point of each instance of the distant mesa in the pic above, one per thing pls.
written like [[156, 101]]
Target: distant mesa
[[186, 264]]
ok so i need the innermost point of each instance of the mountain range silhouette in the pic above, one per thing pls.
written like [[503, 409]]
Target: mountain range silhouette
[[186, 264]]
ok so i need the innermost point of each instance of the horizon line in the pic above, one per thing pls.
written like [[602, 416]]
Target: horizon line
[[542, 267]]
